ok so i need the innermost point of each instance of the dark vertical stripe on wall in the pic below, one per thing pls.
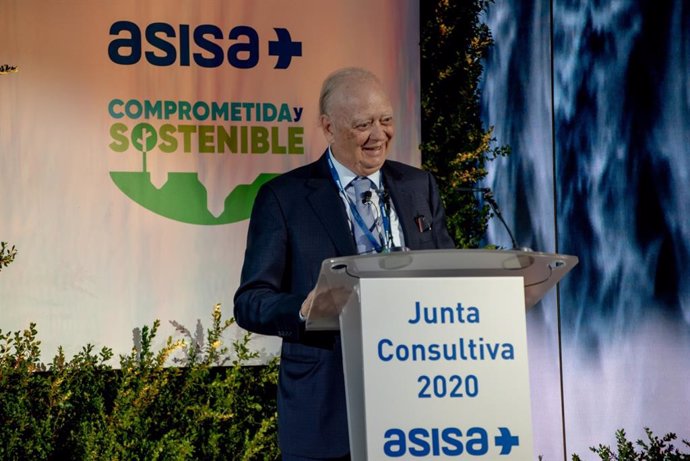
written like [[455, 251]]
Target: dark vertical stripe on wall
[[556, 232]]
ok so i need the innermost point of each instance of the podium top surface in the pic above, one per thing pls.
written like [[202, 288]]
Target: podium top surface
[[540, 271], [436, 263]]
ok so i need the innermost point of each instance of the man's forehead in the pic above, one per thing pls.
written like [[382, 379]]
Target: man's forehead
[[364, 100], [358, 88]]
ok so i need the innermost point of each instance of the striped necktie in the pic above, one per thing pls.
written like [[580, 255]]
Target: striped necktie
[[360, 191]]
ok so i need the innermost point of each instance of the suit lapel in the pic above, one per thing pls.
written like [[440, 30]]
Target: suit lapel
[[327, 204], [403, 199]]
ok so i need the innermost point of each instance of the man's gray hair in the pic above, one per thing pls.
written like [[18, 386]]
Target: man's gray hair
[[337, 79]]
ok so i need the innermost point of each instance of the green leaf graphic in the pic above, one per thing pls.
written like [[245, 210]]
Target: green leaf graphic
[[184, 198]]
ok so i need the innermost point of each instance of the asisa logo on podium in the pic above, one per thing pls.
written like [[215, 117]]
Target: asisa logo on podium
[[177, 130]]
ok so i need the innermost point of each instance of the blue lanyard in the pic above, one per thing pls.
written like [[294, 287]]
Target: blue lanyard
[[387, 239]]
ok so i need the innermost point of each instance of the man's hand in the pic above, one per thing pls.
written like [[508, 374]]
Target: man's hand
[[325, 302]]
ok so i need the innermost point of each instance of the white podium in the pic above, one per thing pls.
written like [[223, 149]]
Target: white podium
[[435, 349]]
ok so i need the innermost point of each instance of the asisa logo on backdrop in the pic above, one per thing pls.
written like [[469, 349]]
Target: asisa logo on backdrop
[[145, 127]]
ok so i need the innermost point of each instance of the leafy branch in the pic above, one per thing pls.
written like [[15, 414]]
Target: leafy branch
[[655, 448], [82, 408], [455, 145], [7, 254]]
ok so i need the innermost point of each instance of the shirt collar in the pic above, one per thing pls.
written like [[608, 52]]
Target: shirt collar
[[346, 175]]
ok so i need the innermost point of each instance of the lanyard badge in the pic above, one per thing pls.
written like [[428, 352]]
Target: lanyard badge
[[386, 238]]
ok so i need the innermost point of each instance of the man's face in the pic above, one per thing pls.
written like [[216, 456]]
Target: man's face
[[359, 126]]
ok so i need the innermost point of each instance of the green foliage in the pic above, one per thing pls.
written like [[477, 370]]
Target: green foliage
[[84, 409], [8, 69], [7, 254], [654, 449], [455, 146]]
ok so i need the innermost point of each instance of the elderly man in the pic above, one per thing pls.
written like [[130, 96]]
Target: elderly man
[[350, 201]]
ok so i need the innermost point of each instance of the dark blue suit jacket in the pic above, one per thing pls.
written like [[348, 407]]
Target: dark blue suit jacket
[[299, 220]]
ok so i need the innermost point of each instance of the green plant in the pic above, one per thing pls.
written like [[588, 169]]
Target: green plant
[[7, 254], [84, 409], [654, 449], [455, 146]]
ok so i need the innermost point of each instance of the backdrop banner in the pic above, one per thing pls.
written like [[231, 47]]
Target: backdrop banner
[[134, 137]]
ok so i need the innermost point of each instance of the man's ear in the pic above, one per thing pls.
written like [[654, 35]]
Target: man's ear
[[328, 127]]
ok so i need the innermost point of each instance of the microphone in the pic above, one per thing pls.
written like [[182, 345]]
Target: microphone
[[489, 197], [366, 197]]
